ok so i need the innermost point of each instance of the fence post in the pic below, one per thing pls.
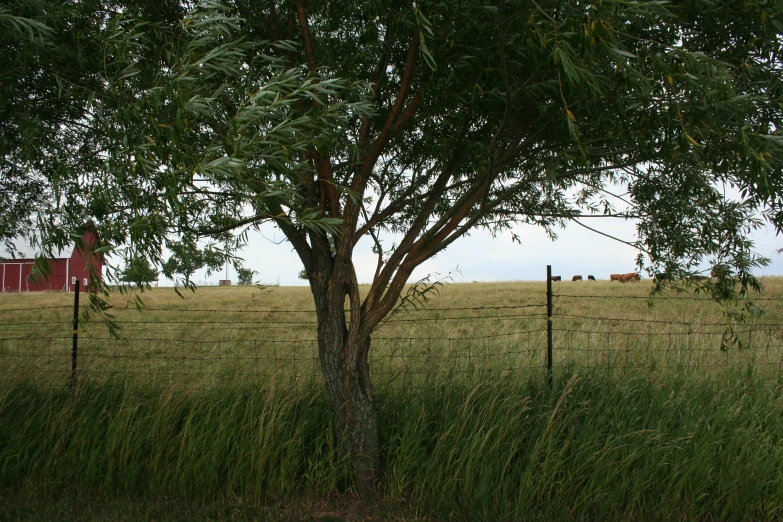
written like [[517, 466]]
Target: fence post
[[75, 348], [549, 321]]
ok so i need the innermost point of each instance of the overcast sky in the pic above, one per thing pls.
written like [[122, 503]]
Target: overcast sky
[[482, 258]]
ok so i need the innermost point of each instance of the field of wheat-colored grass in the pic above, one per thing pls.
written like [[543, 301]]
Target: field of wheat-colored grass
[[215, 399], [218, 335]]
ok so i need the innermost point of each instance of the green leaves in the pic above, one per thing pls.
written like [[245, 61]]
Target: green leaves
[[33, 29], [139, 272], [207, 118], [425, 31]]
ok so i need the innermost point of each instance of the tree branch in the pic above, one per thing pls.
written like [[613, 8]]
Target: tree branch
[[398, 204], [295, 236], [201, 232], [301, 14], [377, 78], [506, 113], [379, 284], [374, 152], [610, 236]]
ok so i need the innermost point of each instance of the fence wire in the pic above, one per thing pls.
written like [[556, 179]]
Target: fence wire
[[197, 348]]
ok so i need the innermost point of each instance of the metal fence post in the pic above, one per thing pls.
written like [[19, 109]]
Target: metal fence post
[[75, 348], [549, 321]]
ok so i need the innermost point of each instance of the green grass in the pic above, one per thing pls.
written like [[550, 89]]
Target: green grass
[[633, 428], [630, 448]]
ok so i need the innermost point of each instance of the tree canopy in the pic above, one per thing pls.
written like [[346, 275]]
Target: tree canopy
[[139, 272], [344, 120], [245, 276], [187, 258]]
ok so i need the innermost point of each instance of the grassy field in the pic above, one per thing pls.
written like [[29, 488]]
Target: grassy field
[[211, 407], [220, 335]]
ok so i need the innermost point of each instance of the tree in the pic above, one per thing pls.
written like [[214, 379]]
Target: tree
[[245, 276], [139, 272], [339, 121], [36, 122], [187, 258]]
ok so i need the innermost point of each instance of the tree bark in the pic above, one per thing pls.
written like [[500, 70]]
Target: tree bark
[[343, 353], [350, 394]]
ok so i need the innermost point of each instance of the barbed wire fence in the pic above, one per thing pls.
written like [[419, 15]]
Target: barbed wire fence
[[205, 347]]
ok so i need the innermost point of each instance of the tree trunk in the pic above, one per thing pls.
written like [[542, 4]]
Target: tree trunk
[[346, 372]]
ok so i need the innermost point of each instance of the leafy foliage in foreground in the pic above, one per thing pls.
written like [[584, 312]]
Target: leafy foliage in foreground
[[597, 447], [342, 121]]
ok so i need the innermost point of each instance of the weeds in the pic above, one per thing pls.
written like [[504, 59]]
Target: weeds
[[595, 446]]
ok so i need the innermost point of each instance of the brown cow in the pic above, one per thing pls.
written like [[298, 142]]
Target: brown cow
[[631, 276], [616, 277], [576, 278], [555, 278]]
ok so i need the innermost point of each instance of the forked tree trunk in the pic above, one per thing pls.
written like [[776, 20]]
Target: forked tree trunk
[[346, 372], [350, 394]]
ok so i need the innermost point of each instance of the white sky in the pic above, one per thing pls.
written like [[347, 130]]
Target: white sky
[[479, 257], [482, 258]]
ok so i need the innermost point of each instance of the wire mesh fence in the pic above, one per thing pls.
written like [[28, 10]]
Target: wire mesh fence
[[207, 347]]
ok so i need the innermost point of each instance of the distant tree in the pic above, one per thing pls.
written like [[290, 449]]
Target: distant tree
[[245, 276], [139, 272], [340, 121], [187, 258]]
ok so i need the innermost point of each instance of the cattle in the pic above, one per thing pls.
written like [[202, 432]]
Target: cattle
[[663, 276], [631, 276], [591, 278], [616, 277], [576, 278], [555, 278]]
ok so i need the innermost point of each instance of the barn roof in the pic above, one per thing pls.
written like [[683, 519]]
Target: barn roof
[[26, 253]]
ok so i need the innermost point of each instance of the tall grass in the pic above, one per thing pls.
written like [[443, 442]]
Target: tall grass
[[121, 438], [595, 446], [644, 419]]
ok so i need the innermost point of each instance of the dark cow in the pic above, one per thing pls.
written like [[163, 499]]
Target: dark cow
[[591, 278], [576, 278], [555, 278], [663, 276]]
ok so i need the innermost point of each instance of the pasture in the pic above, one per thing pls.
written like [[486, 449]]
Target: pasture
[[216, 397], [233, 334]]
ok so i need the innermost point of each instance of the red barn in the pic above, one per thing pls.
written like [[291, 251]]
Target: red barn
[[15, 273]]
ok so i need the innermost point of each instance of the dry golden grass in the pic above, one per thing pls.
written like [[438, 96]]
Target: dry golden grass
[[224, 335]]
